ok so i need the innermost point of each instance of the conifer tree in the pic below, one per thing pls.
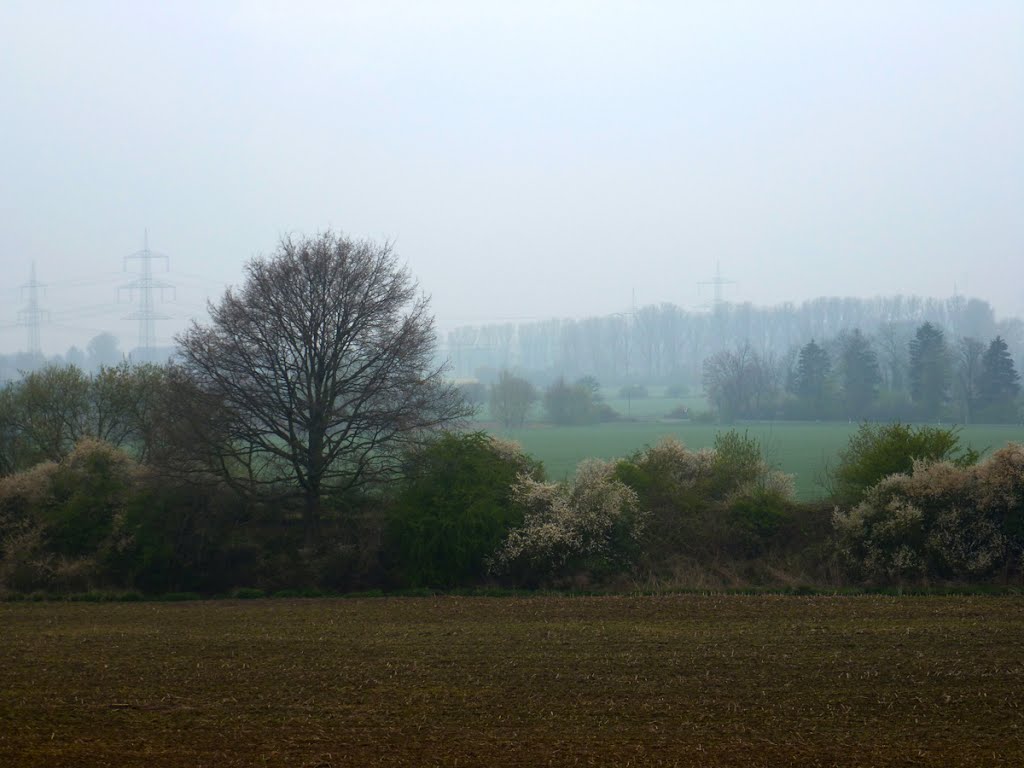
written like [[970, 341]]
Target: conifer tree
[[861, 375], [930, 370]]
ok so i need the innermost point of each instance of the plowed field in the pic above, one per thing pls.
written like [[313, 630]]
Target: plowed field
[[658, 681]]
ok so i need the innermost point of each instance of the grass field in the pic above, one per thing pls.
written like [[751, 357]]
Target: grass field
[[642, 681], [800, 448]]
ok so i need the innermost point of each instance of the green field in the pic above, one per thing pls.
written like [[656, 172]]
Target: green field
[[642, 681], [800, 448]]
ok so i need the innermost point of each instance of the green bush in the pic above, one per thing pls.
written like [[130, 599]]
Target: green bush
[[576, 404], [876, 451], [59, 521], [454, 508], [708, 503], [756, 519]]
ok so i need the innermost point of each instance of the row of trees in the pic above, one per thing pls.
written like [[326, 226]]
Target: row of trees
[[102, 351], [49, 411], [970, 382], [666, 344]]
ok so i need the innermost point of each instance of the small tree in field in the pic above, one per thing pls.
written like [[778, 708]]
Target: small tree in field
[[321, 367], [511, 398]]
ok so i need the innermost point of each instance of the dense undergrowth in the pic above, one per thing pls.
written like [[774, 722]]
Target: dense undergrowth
[[911, 512]]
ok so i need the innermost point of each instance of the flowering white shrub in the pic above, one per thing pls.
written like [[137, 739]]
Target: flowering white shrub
[[941, 520], [591, 523]]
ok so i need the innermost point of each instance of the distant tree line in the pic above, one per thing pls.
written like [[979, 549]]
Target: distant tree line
[[842, 378], [102, 351], [668, 345]]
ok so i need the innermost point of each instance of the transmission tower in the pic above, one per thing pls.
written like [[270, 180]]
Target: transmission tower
[[32, 316], [718, 282], [143, 287]]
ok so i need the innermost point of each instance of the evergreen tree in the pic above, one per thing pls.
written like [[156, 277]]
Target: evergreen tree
[[999, 383], [811, 381], [930, 372], [861, 375]]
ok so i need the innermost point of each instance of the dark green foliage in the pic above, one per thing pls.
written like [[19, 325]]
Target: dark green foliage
[[811, 381], [574, 404], [454, 508], [737, 461], [879, 450], [860, 374], [185, 537], [86, 494], [998, 383], [930, 370], [755, 520], [704, 505]]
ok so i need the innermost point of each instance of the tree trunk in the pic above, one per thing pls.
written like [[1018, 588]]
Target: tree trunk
[[311, 518]]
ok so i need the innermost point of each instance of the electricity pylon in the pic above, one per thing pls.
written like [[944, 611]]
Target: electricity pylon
[[144, 286], [32, 316]]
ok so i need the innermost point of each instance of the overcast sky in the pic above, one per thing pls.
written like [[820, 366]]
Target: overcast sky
[[528, 159]]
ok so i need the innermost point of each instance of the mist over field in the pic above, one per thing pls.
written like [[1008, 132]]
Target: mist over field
[[564, 160], [584, 381]]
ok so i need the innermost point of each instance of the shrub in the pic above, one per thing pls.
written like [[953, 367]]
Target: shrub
[[941, 520], [194, 536], [878, 450], [586, 529], [706, 503], [576, 404], [98, 519], [755, 519], [59, 521], [454, 508]]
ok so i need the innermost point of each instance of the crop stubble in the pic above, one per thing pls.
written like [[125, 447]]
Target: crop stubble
[[675, 680]]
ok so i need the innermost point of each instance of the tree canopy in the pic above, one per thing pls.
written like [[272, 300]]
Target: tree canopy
[[322, 365]]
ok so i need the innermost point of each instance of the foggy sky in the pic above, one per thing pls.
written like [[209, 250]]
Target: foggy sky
[[529, 160]]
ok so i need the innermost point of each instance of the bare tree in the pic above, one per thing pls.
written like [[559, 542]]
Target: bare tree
[[322, 368], [511, 398], [969, 353]]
